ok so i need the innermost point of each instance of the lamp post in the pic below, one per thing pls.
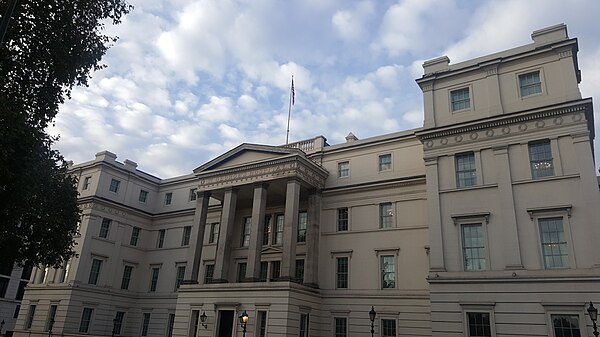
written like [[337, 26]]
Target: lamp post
[[203, 320], [593, 312], [372, 315], [244, 321], [50, 325]]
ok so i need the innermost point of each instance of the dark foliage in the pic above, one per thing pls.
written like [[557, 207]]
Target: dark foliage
[[50, 47]]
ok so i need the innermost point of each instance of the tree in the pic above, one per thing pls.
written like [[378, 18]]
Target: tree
[[50, 46]]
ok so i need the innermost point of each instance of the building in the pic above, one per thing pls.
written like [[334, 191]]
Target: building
[[13, 280], [480, 223]]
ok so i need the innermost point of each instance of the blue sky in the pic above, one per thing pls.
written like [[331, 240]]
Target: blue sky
[[191, 79]]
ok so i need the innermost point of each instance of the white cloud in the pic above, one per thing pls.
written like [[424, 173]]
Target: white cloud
[[351, 24]]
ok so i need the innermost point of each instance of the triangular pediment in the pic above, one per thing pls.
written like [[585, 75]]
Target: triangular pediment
[[246, 154], [271, 250]]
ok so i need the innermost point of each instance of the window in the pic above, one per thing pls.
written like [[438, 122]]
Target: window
[[388, 272], [460, 99], [208, 273], [105, 228], [565, 325], [29, 319], [554, 243], [246, 232], [187, 232], [262, 324], [170, 325], [275, 270], [154, 278], [386, 216], [465, 170], [51, 316], [342, 219], [473, 247], [135, 236], [86, 318], [540, 159], [145, 324], [385, 162], [278, 235], [180, 276], [343, 169], [303, 325], [214, 233], [194, 323], [127, 270], [264, 268], [193, 194], [530, 84], [161, 238], [95, 271], [86, 183], [64, 272], [300, 271], [3, 286], [341, 272], [241, 272], [302, 222], [266, 230], [17, 309], [118, 323], [143, 196], [341, 326], [388, 328], [478, 324], [168, 198], [114, 185], [20, 290]]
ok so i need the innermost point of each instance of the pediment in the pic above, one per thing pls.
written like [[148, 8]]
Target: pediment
[[271, 250], [246, 154]]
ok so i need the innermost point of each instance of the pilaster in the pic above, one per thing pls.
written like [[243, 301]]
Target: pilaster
[[194, 257], [311, 267], [436, 240], [259, 204], [290, 227], [225, 233]]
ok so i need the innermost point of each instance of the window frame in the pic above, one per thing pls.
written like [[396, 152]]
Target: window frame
[[462, 100], [242, 267], [246, 231], [383, 273], [207, 266], [391, 319], [267, 230], [458, 171], [186, 236], [104, 232], [86, 183], [521, 74], [119, 322], [154, 280], [463, 246], [145, 328], [89, 320], [299, 272], [340, 221], [126, 280], [97, 273], [306, 331], [335, 326], [179, 274], [338, 273], [390, 215], [301, 229], [277, 233], [162, 234], [532, 162], [560, 309], [30, 316], [380, 168], [213, 237], [50, 318], [193, 196], [478, 307], [481, 218], [143, 197], [566, 226], [261, 330], [168, 198], [343, 172], [114, 186], [135, 234]]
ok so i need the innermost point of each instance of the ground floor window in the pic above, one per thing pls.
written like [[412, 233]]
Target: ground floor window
[[341, 327], [479, 324], [388, 328], [566, 325], [303, 325]]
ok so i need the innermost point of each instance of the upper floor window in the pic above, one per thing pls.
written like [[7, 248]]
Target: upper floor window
[[95, 271], [302, 222], [278, 234], [193, 194], [213, 236], [341, 272], [460, 99], [530, 84], [554, 244], [386, 215], [179, 276], [161, 238], [540, 159], [105, 228], [275, 270], [246, 232], [388, 271], [342, 219], [187, 233], [168, 198], [127, 271], [209, 271], [264, 271], [114, 185], [473, 247], [135, 236], [385, 162], [300, 270], [565, 325], [478, 324], [343, 169], [86, 182], [154, 278], [465, 170], [241, 274], [266, 230], [143, 196]]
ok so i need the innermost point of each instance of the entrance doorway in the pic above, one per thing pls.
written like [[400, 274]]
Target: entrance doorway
[[225, 323]]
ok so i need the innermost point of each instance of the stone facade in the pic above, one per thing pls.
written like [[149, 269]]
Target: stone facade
[[480, 223]]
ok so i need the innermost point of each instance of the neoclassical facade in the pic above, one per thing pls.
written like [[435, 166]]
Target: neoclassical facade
[[480, 223]]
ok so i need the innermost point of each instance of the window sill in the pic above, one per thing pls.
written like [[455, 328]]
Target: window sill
[[469, 188]]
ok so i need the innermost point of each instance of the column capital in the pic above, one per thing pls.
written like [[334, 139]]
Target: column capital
[[202, 194], [261, 184]]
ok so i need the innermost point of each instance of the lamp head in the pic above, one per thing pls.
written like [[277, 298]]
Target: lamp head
[[203, 317], [244, 318], [593, 312], [372, 314]]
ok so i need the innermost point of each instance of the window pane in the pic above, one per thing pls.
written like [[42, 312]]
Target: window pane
[[342, 273], [342, 219], [385, 162], [388, 272], [145, 324], [460, 99], [540, 159], [343, 169], [473, 247], [566, 325], [154, 278], [530, 84], [208, 273], [246, 232], [95, 271], [479, 324], [105, 228], [86, 317], [386, 216], [241, 275], [341, 327], [388, 328], [465, 170], [127, 270], [302, 222], [180, 276], [554, 244], [278, 238], [187, 232], [135, 235]]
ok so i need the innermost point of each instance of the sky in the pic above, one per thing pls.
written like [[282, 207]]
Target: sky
[[191, 79]]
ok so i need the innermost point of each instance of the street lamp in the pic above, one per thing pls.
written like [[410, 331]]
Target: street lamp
[[372, 315], [203, 320], [244, 321], [593, 312], [50, 325]]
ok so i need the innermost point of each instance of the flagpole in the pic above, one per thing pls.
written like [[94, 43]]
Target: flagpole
[[287, 135]]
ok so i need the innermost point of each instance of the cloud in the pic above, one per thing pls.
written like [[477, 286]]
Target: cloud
[[351, 24]]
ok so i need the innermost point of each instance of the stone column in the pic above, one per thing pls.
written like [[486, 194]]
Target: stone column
[[194, 256], [259, 204], [290, 227], [436, 240], [311, 271], [508, 215], [225, 233]]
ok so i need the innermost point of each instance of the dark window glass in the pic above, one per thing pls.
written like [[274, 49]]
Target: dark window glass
[[342, 219], [479, 324], [465, 170], [540, 159]]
